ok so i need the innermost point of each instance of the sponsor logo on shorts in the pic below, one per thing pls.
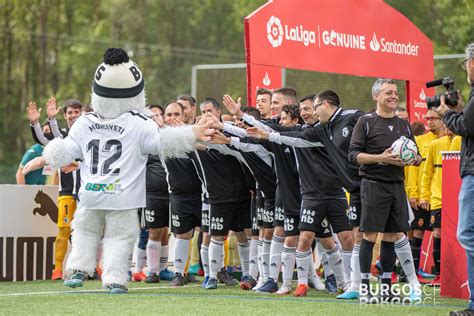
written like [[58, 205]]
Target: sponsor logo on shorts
[[149, 216], [307, 216], [216, 223], [205, 219], [279, 214], [175, 220], [289, 224]]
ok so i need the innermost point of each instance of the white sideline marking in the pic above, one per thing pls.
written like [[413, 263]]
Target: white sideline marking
[[94, 290]]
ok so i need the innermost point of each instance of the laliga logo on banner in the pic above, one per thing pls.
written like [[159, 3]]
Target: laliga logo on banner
[[274, 31], [296, 34]]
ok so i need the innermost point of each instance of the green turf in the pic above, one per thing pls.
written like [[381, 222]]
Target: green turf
[[53, 298]]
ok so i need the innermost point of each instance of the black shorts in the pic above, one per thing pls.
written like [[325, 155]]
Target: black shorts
[[291, 225], [233, 216], [253, 214], [157, 213], [435, 219], [268, 212], [260, 204], [354, 209], [279, 215], [384, 207], [185, 215], [320, 216], [422, 219], [205, 218]]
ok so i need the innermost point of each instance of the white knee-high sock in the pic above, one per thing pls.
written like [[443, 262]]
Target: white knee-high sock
[[311, 270], [266, 258], [141, 259], [276, 249], [164, 257], [303, 259], [153, 251], [181, 250], [405, 256], [355, 269], [335, 261], [346, 262], [253, 259], [260, 259], [216, 257], [205, 259], [288, 259], [324, 260], [244, 250]]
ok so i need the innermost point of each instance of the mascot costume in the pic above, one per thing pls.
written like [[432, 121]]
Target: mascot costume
[[113, 143]]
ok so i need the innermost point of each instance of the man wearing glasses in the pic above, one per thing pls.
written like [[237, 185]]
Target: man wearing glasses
[[461, 122], [422, 217]]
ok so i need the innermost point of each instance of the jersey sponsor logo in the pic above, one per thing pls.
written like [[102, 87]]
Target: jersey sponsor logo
[[108, 188], [289, 224], [216, 223], [307, 216], [149, 216], [175, 220]]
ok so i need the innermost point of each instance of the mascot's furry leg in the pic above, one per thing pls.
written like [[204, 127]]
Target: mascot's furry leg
[[87, 230], [121, 231]]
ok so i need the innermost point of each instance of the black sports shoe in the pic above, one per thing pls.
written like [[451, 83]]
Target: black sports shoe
[[152, 278], [464, 312], [331, 284], [225, 277], [188, 278], [178, 280]]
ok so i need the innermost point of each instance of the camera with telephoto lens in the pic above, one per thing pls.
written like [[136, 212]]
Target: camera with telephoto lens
[[450, 96]]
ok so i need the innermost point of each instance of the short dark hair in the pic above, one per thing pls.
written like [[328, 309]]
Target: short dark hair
[[293, 110], [288, 92], [174, 102], [156, 106], [400, 109], [418, 128], [251, 111], [87, 108], [329, 96], [307, 97], [71, 103], [213, 101], [264, 91], [187, 97]]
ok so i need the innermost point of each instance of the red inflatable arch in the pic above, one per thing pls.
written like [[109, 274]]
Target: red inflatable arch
[[352, 37]]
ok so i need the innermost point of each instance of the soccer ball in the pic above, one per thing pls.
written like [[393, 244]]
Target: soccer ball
[[406, 149]]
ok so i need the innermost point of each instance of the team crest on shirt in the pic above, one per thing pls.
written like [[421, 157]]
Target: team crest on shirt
[[345, 132]]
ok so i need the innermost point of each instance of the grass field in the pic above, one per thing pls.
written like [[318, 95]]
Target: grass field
[[53, 298]]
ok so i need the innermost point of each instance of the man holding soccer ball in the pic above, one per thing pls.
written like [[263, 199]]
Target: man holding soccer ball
[[384, 203]]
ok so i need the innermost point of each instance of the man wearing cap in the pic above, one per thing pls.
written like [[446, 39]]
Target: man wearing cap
[[461, 122]]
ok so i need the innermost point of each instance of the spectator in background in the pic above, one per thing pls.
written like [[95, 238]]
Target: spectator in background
[[189, 106], [37, 176], [418, 128], [402, 113]]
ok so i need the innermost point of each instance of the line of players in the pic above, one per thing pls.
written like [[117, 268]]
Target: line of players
[[276, 190]]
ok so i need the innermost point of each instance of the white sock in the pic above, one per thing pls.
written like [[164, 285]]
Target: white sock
[[181, 249], [253, 259], [260, 259], [266, 258], [276, 249], [324, 260], [288, 259], [244, 257], [164, 257], [311, 270], [141, 259], [335, 261], [355, 269], [153, 251], [346, 262], [302, 263], [216, 257], [404, 255], [205, 259]]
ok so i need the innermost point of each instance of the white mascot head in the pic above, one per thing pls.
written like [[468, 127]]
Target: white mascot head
[[118, 85]]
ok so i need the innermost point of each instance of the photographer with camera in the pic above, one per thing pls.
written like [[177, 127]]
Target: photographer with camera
[[461, 122]]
